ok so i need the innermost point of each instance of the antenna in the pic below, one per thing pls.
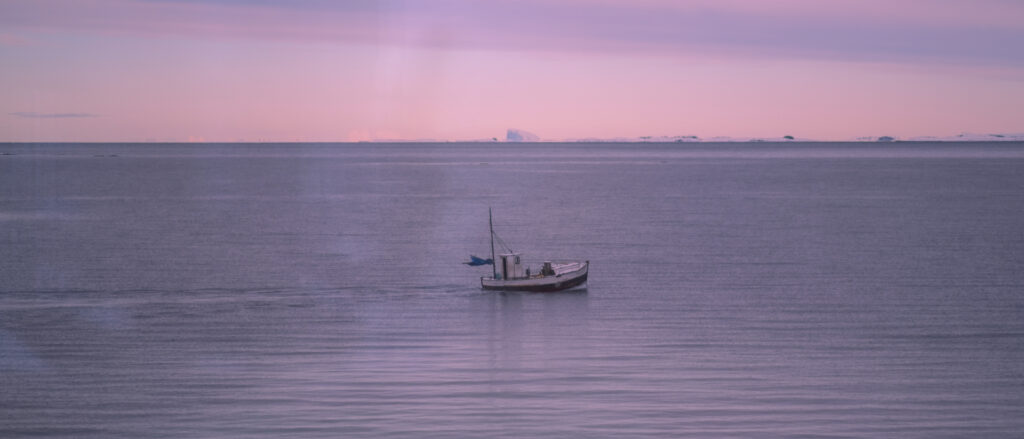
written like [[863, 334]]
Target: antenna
[[494, 264]]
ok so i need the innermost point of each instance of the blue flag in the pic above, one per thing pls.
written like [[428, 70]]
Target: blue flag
[[475, 261]]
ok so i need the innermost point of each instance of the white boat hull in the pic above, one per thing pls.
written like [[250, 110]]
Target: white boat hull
[[566, 276]]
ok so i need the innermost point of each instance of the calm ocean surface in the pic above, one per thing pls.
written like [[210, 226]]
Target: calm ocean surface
[[736, 290]]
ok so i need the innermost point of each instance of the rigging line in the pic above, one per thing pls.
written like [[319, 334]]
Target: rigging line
[[498, 238], [502, 243]]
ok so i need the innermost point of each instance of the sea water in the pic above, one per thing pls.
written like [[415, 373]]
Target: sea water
[[318, 290]]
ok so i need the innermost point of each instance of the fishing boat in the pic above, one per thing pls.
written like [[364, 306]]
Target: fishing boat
[[510, 274]]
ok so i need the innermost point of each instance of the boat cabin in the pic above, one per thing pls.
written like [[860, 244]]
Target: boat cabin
[[510, 266]]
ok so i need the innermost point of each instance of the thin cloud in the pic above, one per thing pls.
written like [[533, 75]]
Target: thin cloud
[[34, 115], [907, 31], [12, 40]]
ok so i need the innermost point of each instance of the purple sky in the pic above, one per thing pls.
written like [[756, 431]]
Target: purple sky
[[318, 70]]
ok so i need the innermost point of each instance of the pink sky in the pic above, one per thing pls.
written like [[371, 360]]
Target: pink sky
[[319, 70]]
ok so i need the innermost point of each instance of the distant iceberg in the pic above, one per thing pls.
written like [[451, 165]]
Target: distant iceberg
[[972, 137], [641, 139], [516, 135], [995, 137]]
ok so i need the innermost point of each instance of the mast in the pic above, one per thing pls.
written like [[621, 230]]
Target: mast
[[494, 264]]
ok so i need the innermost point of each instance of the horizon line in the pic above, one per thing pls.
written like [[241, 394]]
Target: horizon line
[[429, 142]]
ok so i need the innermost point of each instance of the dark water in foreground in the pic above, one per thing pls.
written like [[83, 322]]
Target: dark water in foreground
[[835, 290]]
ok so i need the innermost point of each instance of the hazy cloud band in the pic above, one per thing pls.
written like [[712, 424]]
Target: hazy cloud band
[[910, 31], [34, 115]]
